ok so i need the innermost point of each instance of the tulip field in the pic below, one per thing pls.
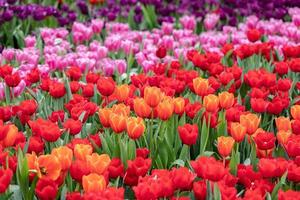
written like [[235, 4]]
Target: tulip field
[[150, 99]]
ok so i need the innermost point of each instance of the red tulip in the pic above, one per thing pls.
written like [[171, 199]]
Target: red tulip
[[265, 140], [106, 86], [161, 52], [188, 134], [46, 189], [116, 168], [182, 178], [5, 178], [74, 126], [253, 35]]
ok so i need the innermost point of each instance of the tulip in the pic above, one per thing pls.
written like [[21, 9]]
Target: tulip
[[78, 169], [283, 123], [135, 127], [225, 145], [57, 90], [238, 131], [295, 112], [11, 135], [74, 126], [201, 86], [250, 121], [122, 92], [46, 189], [116, 168], [93, 183], [211, 103], [199, 188], [98, 163], [226, 100], [82, 150], [182, 178], [104, 114], [106, 86], [179, 105], [161, 52], [141, 108], [152, 96], [188, 134], [165, 109], [117, 122], [50, 166], [265, 140], [64, 155], [5, 179]]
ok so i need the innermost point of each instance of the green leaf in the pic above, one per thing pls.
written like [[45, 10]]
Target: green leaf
[[204, 136], [178, 162], [278, 186], [217, 193], [184, 154]]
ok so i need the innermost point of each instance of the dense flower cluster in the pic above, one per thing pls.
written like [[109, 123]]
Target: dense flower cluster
[[102, 111]]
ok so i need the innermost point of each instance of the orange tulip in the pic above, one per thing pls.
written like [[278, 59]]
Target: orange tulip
[[104, 114], [226, 100], [201, 86], [225, 145], [211, 103], [93, 183], [250, 121], [82, 150], [165, 109], [179, 105], [141, 108], [33, 165], [11, 136], [121, 109], [238, 131], [283, 136], [295, 111], [283, 123], [50, 166], [122, 92], [117, 122], [98, 163], [64, 155], [152, 96], [135, 127]]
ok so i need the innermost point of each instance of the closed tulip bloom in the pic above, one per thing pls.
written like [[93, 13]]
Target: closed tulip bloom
[[82, 150], [225, 145], [250, 121], [141, 108], [11, 135], [226, 100], [57, 90], [5, 179], [295, 112], [135, 127], [64, 155], [98, 163], [188, 134], [152, 96], [106, 86], [201, 86], [49, 166], [122, 92], [93, 183], [104, 114], [283, 123], [283, 136], [117, 122], [165, 109], [211, 103], [179, 105], [238, 131], [46, 189]]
